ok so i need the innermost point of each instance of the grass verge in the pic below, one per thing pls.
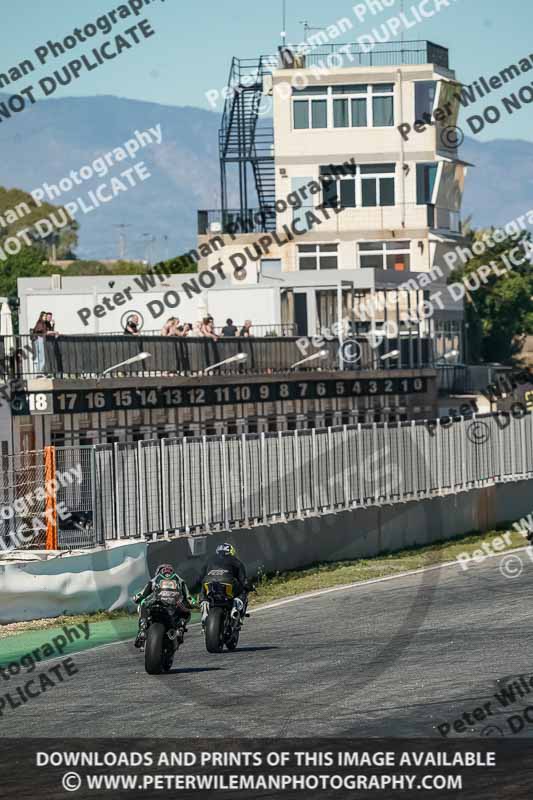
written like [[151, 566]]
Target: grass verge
[[318, 576]]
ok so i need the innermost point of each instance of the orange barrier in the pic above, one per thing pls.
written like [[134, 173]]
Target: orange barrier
[[51, 497]]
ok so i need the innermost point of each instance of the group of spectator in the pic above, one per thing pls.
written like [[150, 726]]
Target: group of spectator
[[174, 327]]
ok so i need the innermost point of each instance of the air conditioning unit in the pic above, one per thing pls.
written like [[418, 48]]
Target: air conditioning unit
[[215, 227]]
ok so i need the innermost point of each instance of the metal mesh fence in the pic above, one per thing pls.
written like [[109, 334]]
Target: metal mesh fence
[[22, 497], [208, 483]]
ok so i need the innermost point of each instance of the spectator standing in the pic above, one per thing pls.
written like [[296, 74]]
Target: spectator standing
[[229, 329], [187, 329], [197, 329], [246, 329], [40, 330], [50, 324], [170, 327], [208, 329], [132, 325]]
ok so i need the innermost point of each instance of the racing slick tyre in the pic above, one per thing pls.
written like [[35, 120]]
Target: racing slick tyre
[[153, 649], [214, 630]]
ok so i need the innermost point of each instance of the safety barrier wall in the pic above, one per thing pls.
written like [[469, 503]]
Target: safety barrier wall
[[218, 483]]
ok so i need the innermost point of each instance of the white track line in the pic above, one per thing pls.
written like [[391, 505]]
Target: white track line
[[305, 596]]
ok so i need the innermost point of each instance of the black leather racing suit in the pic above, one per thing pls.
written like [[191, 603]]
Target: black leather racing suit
[[228, 569]]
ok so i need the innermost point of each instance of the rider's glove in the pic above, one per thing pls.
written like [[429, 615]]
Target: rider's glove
[[137, 597]]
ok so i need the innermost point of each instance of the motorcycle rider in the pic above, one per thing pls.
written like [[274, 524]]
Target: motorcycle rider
[[147, 596], [225, 567]]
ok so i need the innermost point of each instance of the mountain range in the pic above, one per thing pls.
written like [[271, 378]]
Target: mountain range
[[48, 140]]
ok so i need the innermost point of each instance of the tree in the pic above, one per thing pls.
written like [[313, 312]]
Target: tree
[[45, 224], [499, 312]]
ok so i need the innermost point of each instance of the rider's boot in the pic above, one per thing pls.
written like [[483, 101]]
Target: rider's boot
[[141, 636]]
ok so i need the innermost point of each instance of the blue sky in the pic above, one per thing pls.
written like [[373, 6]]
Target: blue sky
[[194, 42]]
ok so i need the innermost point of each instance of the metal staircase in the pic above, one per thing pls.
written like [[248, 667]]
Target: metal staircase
[[248, 143]]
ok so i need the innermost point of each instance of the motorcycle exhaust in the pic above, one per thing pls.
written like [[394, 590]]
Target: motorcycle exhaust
[[172, 634]]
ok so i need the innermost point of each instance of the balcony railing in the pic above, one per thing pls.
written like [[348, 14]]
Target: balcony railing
[[87, 357], [416, 215], [234, 221], [334, 56]]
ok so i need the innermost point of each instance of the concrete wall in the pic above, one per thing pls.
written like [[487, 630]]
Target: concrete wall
[[106, 579], [354, 534]]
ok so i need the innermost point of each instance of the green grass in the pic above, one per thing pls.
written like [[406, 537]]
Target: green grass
[[327, 575], [318, 576]]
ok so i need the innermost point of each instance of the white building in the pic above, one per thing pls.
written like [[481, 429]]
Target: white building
[[384, 190]]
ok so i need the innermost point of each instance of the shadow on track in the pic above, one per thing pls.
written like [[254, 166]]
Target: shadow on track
[[193, 670], [249, 650]]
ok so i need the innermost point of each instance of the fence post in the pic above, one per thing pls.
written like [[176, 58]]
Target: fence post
[[183, 487], [97, 527], [438, 445], [225, 486], [117, 494], [244, 459], [164, 487], [205, 475], [51, 497], [314, 466], [140, 488], [298, 474], [281, 481], [262, 486], [360, 462], [345, 475]]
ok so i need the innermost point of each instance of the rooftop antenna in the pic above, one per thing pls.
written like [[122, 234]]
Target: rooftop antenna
[[284, 23], [308, 27]]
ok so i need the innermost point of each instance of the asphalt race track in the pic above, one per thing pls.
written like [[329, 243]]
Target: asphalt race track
[[391, 658]]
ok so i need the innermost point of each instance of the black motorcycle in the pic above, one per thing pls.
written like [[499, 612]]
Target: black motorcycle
[[222, 623], [166, 630]]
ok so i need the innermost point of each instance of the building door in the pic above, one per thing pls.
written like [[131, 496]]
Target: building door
[[300, 312]]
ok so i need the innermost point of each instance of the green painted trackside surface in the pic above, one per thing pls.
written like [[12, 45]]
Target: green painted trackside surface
[[15, 647]]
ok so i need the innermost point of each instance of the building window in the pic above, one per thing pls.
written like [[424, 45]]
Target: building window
[[424, 98], [385, 255], [377, 185], [317, 256], [308, 111], [365, 185], [344, 106], [425, 181]]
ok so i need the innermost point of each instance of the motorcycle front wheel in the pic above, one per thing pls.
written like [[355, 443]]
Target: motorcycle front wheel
[[214, 630], [153, 649]]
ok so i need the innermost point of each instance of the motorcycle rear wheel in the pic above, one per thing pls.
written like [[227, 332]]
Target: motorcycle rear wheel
[[153, 649], [214, 630]]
